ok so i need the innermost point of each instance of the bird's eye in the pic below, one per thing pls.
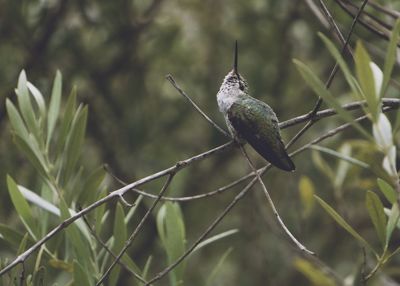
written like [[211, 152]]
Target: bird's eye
[[241, 86]]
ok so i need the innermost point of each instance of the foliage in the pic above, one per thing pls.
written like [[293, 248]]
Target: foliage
[[117, 53]]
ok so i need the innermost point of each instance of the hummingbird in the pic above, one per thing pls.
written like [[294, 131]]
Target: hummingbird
[[251, 120]]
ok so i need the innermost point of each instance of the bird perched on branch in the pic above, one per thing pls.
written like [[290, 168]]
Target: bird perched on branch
[[251, 120]]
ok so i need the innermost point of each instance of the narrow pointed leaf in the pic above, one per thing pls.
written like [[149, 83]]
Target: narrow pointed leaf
[[387, 190], [81, 277], [340, 156], [16, 120], [37, 95], [75, 141], [313, 274], [319, 88], [81, 249], [171, 230], [35, 158], [217, 267], [10, 235], [25, 105], [22, 207], [120, 236], [377, 215], [215, 238], [343, 223], [66, 120], [390, 57], [393, 219], [91, 186], [54, 107], [366, 78]]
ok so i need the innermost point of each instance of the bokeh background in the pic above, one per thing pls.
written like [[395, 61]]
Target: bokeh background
[[117, 54]]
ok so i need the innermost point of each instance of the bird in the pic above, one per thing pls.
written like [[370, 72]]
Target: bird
[[251, 120]]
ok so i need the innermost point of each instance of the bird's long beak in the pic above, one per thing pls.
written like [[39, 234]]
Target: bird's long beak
[[235, 60]]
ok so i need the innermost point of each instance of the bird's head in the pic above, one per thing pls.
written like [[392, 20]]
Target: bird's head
[[233, 80]]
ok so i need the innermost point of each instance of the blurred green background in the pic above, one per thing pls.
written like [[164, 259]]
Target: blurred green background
[[117, 53]]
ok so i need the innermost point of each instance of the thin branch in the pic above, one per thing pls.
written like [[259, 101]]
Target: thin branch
[[389, 103], [215, 125], [239, 196], [392, 13], [130, 240], [300, 246], [334, 26]]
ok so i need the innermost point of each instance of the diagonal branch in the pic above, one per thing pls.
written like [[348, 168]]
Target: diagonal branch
[[215, 125]]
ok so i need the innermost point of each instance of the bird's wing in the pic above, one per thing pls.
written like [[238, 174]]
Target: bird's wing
[[257, 124]]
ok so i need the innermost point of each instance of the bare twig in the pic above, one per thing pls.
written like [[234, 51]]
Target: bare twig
[[215, 125], [335, 27], [272, 205], [130, 240], [392, 13]]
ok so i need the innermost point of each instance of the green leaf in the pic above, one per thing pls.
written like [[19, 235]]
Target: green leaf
[[91, 186], [66, 121], [340, 156], [25, 105], [51, 208], [387, 191], [133, 209], [315, 275], [390, 57], [171, 230], [81, 249], [39, 277], [215, 238], [377, 215], [366, 79], [10, 235], [37, 95], [81, 277], [319, 88], [146, 267], [306, 192], [54, 107], [16, 120], [393, 219], [75, 141], [120, 236], [33, 155], [22, 207], [23, 243], [343, 223]]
